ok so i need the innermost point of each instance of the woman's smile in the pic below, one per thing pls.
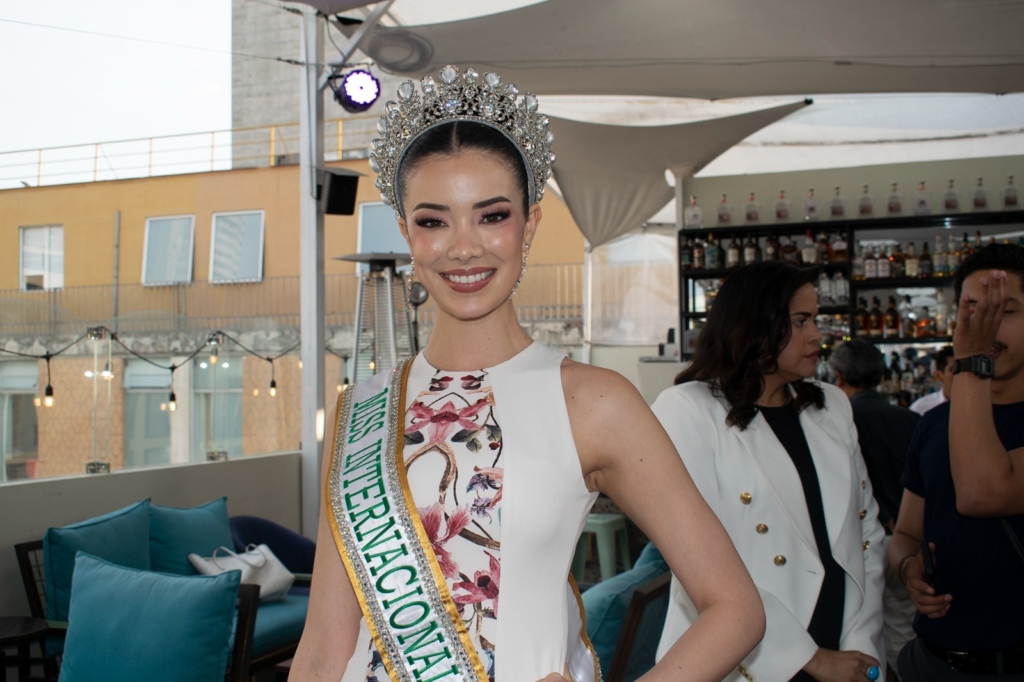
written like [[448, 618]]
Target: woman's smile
[[468, 281]]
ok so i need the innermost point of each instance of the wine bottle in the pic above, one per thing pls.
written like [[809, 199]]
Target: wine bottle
[[885, 264], [925, 266], [871, 264], [863, 318], [894, 202], [837, 207], [940, 262], [824, 250], [876, 317], [840, 289], [789, 251], [809, 253], [891, 320], [693, 216], [699, 262], [951, 200], [733, 254], [753, 210], [1010, 195], [751, 251], [979, 198], [912, 262], [782, 207], [712, 253], [685, 253], [826, 298], [922, 203], [865, 204], [811, 210], [724, 212], [772, 248], [897, 263], [952, 256], [858, 264], [840, 250]]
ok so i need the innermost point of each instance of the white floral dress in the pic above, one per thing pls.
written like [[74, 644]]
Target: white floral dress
[[453, 450]]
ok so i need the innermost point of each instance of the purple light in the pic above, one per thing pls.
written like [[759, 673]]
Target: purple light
[[358, 91]]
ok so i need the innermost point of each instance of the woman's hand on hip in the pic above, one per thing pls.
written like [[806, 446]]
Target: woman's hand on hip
[[555, 677], [839, 666]]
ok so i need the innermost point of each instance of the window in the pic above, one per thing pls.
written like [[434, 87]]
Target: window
[[379, 233], [236, 247], [19, 430], [217, 407], [42, 257], [167, 253], [147, 422]]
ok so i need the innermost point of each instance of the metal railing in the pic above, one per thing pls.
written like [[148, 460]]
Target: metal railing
[[251, 147], [548, 293]]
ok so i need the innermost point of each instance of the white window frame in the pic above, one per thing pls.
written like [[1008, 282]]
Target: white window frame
[[21, 257], [213, 245], [191, 249]]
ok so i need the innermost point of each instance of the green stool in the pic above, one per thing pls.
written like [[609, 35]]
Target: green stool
[[605, 527]]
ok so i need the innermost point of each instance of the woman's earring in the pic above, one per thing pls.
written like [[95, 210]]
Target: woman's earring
[[408, 284], [526, 257]]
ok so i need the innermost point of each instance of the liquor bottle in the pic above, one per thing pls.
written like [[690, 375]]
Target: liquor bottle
[[772, 248], [925, 266], [941, 314], [826, 299], [693, 216], [858, 264], [871, 264], [951, 200], [789, 251], [907, 318], [897, 263], [891, 318], [809, 253], [922, 202], [979, 198], [894, 202], [977, 246], [940, 262], [952, 256], [724, 212], [863, 318], [840, 289], [712, 254], [840, 249], [876, 317], [782, 207], [733, 254], [685, 253], [865, 204], [1010, 195], [811, 209], [824, 250], [912, 262], [951, 323], [885, 264], [753, 210], [925, 328], [751, 251], [699, 262], [837, 207], [965, 248]]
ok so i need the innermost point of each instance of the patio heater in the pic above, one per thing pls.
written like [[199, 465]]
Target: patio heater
[[383, 329]]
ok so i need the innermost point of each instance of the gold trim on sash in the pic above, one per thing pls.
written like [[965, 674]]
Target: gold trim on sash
[[414, 516], [583, 629]]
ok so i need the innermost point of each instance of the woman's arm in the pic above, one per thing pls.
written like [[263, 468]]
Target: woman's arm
[[332, 623], [626, 454]]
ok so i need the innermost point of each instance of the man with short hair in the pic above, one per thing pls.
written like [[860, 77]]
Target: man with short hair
[[964, 494], [944, 375], [884, 432]]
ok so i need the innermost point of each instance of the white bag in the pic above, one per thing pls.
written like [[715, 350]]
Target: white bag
[[258, 565]]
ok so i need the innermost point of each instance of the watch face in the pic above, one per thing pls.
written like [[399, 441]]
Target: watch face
[[986, 366]]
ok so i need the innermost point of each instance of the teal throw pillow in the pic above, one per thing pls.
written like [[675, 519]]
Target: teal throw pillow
[[176, 533], [606, 603], [127, 625], [120, 537]]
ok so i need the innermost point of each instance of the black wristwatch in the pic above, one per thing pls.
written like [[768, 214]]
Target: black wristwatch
[[980, 365]]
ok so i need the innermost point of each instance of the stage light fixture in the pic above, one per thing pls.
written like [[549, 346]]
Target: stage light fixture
[[357, 91]]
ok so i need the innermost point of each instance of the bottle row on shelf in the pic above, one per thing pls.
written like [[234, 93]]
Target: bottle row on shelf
[[710, 254], [864, 206], [889, 261], [906, 318]]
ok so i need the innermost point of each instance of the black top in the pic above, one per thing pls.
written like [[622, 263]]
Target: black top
[[826, 625], [884, 432], [974, 560]]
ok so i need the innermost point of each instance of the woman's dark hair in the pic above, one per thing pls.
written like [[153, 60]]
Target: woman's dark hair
[[993, 257], [745, 331], [455, 137]]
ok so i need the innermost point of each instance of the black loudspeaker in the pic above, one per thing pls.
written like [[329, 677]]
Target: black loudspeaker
[[338, 191]]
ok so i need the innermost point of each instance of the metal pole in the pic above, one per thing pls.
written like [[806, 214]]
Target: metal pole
[[679, 232], [117, 265], [311, 261], [588, 301]]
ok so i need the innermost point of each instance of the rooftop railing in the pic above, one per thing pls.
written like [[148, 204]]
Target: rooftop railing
[[252, 147], [548, 293]]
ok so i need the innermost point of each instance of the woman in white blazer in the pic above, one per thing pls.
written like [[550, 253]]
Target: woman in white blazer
[[776, 457]]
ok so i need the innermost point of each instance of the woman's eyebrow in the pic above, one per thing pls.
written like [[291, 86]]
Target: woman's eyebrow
[[487, 202], [434, 207]]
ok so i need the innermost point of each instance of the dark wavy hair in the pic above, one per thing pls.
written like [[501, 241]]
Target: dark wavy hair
[[746, 330], [1006, 257], [455, 137]]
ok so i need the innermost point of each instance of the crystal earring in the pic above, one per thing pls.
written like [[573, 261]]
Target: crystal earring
[[408, 284], [526, 257]]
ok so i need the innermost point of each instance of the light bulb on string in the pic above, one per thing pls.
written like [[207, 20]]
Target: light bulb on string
[[48, 396], [172, 402], [273, 388], [89, 374], [213, 356], [106, 373]]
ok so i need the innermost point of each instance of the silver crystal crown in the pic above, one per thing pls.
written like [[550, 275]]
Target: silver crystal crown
[[455, 96]]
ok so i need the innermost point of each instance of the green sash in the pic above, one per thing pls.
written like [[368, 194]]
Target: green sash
[[415, 625]]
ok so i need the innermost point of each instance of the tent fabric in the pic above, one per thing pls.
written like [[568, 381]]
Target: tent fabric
[[728, 48], [613, 177]]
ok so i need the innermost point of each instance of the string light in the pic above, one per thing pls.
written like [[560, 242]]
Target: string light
[[48, 392], [172, 402], [273, 388], [273, 378], [106, 373]]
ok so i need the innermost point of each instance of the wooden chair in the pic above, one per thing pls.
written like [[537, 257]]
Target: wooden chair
[[641, 630], [33, 575]]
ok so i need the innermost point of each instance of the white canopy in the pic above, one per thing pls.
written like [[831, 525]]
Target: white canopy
[[727, 48], [613, 177]]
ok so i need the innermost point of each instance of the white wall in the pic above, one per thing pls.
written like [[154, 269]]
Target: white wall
[[267, 486]]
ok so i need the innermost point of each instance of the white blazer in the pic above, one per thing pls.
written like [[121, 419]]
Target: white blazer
[[749, 480]]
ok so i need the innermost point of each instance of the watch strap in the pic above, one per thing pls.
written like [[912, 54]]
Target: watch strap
[[979, 365]]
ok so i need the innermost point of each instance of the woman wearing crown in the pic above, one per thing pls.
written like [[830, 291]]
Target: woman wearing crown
[[457, 484]]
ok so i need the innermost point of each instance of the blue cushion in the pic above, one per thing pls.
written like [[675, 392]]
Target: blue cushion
[[127, 625], [176, 533], [606, 602], [279, 623], [121, 537]]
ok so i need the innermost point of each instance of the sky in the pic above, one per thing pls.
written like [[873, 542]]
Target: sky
[[61, 87]]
